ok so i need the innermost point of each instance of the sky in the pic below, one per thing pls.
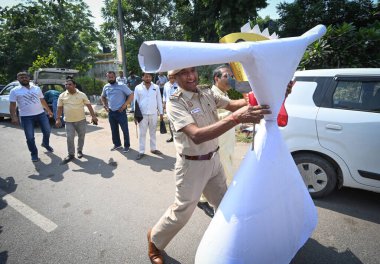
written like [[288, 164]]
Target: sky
[[96, 5], [270, 10]]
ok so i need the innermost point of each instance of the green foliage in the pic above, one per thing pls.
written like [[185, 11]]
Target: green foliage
[[345, 46], [44, 61], [266, 22], [210, 20], [353, 31], [234, 95], [90, 86], [301, 15], [51, 32]]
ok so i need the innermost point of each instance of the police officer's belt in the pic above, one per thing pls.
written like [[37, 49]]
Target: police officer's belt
[[201, 157]]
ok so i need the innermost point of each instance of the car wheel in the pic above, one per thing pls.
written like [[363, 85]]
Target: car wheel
[[318, 174]]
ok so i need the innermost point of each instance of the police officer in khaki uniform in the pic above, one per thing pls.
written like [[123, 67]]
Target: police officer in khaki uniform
[[193, 113]]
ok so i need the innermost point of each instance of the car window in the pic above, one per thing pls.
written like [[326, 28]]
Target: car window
[[7, 90], [357, 95]]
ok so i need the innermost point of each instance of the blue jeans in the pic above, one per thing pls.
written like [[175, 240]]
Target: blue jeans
[[55, 107], [27, 123], [117, 118]]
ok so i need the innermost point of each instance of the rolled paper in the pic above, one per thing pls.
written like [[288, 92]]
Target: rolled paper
[[280, 56]]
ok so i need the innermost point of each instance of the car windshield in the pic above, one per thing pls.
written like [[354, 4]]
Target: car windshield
[[53, 75]]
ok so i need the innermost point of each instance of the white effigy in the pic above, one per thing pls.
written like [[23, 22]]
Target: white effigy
[[267, 214]]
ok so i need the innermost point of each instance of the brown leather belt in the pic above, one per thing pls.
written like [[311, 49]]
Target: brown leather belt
[[201, 157]]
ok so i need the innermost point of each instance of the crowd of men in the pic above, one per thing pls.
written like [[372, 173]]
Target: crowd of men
[[203, 160]]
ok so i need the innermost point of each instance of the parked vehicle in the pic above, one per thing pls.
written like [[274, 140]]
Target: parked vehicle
[[4, 99], [46, 79], [333, 128]]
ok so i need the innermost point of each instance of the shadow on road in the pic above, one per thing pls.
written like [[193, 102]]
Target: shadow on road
[[53, 171], [3, 257], [7, 186], [157, 163], [93, 166], [360, 204], [315, 253], [169, 260]]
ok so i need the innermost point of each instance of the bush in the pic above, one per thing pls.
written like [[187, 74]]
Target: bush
[[90, 86], [234, 95]]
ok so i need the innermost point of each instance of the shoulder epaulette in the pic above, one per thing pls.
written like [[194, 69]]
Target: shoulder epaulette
[[175, 96]]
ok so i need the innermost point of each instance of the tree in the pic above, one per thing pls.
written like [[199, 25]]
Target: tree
[[210, 20], [142, 20], [345, 46], [39, 29], [301, 15], [190, 20]]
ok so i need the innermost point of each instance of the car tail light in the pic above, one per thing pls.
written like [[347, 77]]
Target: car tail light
[[282, 118]]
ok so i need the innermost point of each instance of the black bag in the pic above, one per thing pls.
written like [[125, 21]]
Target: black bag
[[137, 114], [163, 127]]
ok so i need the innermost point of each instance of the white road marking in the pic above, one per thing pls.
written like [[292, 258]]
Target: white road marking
[[36, 218]]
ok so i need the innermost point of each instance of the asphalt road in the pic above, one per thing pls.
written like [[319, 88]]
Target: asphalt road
[[98, 209]]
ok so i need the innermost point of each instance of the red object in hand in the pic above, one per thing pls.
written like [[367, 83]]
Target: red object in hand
[[282, 118], [252, 99]]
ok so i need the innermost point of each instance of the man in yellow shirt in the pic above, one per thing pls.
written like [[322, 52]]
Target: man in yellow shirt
[[72, 102]]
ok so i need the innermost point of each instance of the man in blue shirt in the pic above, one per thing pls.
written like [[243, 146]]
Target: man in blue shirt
[[51, 97], [115, 98]]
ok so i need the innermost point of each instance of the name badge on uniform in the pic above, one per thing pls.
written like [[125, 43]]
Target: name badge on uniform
[[195, 110]]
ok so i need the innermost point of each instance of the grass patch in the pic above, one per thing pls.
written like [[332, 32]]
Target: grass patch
[[243, 137]]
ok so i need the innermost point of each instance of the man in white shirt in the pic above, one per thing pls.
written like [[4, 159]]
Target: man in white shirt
[[170, 88], [161, 80], [121, 79], [147, 95], [31, 103]]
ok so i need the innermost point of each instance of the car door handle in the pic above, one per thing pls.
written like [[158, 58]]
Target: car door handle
[[333, 127]]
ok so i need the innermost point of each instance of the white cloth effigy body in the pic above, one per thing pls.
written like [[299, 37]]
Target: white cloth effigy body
[[267, 213]]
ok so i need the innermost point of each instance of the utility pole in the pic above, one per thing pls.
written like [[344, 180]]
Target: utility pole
[[121, 37]]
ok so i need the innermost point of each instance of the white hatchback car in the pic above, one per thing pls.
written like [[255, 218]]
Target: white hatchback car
[[333, 129], [4, 99]]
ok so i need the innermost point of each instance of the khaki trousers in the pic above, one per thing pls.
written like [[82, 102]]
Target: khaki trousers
[[192, 178]]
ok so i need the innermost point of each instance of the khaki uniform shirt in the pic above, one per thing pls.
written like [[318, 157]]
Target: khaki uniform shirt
[[73, 105], [199, 108]]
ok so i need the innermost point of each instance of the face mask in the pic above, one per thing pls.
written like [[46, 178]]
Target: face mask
[[231, 82]]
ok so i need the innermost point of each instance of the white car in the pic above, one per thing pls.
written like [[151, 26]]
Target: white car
[[4, 99], [333, 129]]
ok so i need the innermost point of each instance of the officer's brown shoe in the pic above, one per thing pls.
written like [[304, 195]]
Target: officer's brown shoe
[[153, 252]]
